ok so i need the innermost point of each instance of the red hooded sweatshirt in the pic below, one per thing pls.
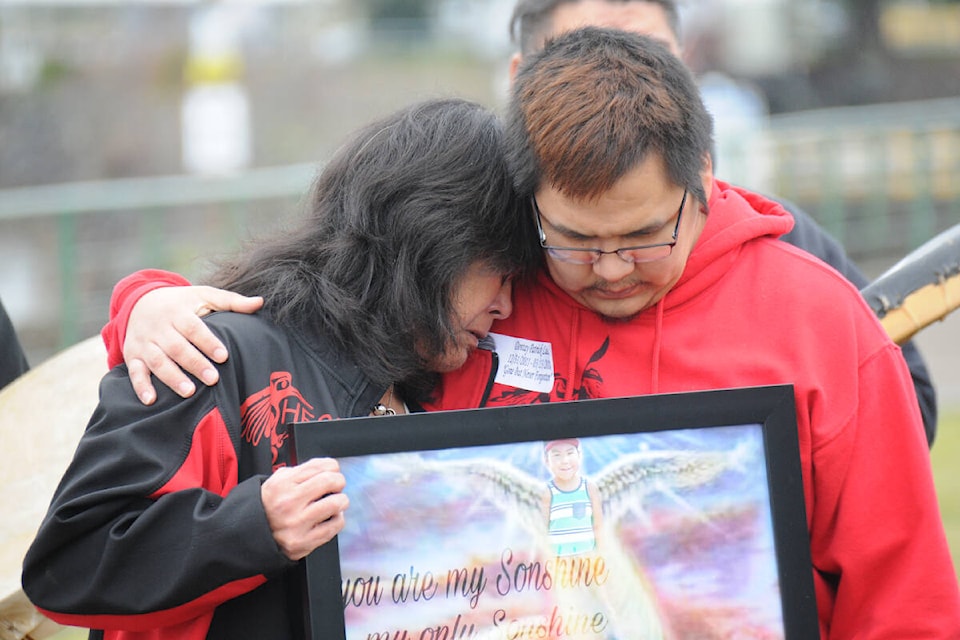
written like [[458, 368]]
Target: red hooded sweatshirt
[[751, 310]]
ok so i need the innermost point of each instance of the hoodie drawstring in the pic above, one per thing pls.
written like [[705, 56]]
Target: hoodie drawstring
[[572, 358], [655, 359]]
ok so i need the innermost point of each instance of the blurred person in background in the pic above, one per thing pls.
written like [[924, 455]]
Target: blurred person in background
[[13, 362], [185, 519], [158, 338]]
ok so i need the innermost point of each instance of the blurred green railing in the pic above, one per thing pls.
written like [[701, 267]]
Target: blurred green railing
[[883, 179], [97, 232]]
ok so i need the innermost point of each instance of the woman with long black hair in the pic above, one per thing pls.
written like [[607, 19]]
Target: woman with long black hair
[[183, 519]]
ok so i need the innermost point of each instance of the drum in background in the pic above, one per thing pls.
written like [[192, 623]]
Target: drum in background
[[43, 413]]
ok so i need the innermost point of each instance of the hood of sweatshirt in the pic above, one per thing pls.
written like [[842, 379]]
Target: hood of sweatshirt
[[736, 216]]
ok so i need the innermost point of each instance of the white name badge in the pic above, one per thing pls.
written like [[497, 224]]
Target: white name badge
[[525, 364]]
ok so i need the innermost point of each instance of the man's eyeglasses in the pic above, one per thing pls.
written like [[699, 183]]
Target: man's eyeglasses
[[640, 253]]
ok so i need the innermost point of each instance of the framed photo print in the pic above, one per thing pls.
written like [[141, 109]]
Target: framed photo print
[[655, 517]]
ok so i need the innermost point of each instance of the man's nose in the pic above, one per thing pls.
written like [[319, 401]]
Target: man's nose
[[612, 268]]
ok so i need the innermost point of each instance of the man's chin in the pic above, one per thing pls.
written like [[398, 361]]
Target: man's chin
[[618, 319], [616, 312]]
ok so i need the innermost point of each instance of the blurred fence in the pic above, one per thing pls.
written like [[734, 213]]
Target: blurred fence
[[882, 179], [80, 238]]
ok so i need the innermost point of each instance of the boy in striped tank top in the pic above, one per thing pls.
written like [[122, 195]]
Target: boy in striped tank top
[[572, 506]]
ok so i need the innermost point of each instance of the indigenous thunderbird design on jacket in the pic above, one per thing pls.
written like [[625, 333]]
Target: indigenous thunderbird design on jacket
[[750, 311], [160, 509]]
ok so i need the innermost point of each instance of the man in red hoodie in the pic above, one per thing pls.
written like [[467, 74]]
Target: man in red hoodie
[[660, 278]]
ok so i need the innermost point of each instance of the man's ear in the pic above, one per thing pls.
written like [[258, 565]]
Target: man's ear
[[515, 61]]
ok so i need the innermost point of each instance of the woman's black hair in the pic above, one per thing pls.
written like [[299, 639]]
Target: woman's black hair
[[395, 220]]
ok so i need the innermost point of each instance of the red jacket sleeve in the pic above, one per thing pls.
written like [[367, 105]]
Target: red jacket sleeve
[[126, 294]]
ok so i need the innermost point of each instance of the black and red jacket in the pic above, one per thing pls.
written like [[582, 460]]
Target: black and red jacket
[[157, 529]]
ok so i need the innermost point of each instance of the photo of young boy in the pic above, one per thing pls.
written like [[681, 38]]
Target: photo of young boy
[[572, 505]]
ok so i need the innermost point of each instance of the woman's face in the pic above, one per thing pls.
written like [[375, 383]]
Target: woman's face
[[481, 296]]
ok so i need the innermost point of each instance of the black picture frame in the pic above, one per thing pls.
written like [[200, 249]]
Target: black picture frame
[[764, 415]]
